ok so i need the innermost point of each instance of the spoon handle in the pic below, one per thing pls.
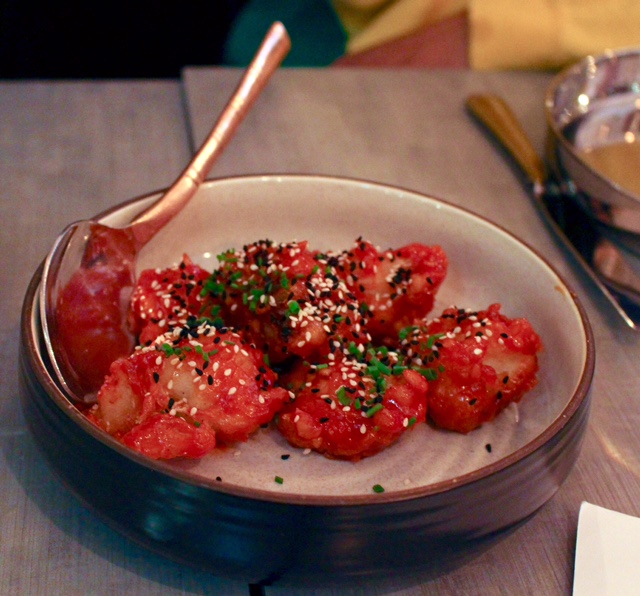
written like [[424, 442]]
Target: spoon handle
[[271, 53], [497, 116]]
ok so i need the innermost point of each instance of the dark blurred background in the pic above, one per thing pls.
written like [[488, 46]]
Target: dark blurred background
[[113, 39], [145, 39]]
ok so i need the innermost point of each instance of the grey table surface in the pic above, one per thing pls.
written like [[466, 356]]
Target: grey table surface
[[71, 149]]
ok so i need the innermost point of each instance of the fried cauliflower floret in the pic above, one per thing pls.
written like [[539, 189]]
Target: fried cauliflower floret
[[484, 362], [351, 408], [285, 301], [398, 286], [192, 388]]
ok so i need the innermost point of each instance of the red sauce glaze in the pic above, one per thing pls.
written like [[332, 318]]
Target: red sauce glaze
[[358, 361], [339, 411], [399, 286], [484, 362], [164, 297], [210, 379], [284, 299]]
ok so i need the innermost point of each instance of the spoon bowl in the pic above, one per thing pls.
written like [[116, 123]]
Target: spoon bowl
[[89, 273]]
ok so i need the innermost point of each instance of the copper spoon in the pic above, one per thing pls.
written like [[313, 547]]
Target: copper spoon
[[89, 273]]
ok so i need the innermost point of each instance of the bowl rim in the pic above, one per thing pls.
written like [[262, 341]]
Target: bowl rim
[[549, 102], [30, 315]]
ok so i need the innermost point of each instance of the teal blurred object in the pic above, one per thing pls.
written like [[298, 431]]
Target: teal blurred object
[[317, 36]]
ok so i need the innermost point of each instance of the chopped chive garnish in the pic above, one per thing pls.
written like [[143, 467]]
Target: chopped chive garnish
[[353, 348], [294, 308], [412, 421], [433, 338], [167, 349], [279, 479], [200, 350], [342, 396], [374, 410], [428, 373], [382, 368], [406, 332], [378, 488]]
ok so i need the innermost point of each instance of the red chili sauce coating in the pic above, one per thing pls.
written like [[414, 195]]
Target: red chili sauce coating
[[338, 350]]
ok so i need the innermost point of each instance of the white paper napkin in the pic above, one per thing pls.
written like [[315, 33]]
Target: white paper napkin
[[607, 553]]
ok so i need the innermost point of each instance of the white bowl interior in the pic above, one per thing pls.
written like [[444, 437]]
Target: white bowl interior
[[487, 265]]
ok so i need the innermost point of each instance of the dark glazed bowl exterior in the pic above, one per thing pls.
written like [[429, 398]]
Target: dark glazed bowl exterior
[[262, 537]]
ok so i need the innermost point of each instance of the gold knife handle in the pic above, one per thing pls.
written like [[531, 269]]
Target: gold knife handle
[[494, 113]]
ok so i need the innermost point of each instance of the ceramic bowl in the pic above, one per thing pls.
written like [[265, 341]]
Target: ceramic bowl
[[444, 492]]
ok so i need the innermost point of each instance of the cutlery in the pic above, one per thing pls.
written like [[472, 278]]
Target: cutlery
[[89, 273]]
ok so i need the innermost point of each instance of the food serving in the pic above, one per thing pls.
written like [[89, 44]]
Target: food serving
[[339, 350], [430, 493]]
